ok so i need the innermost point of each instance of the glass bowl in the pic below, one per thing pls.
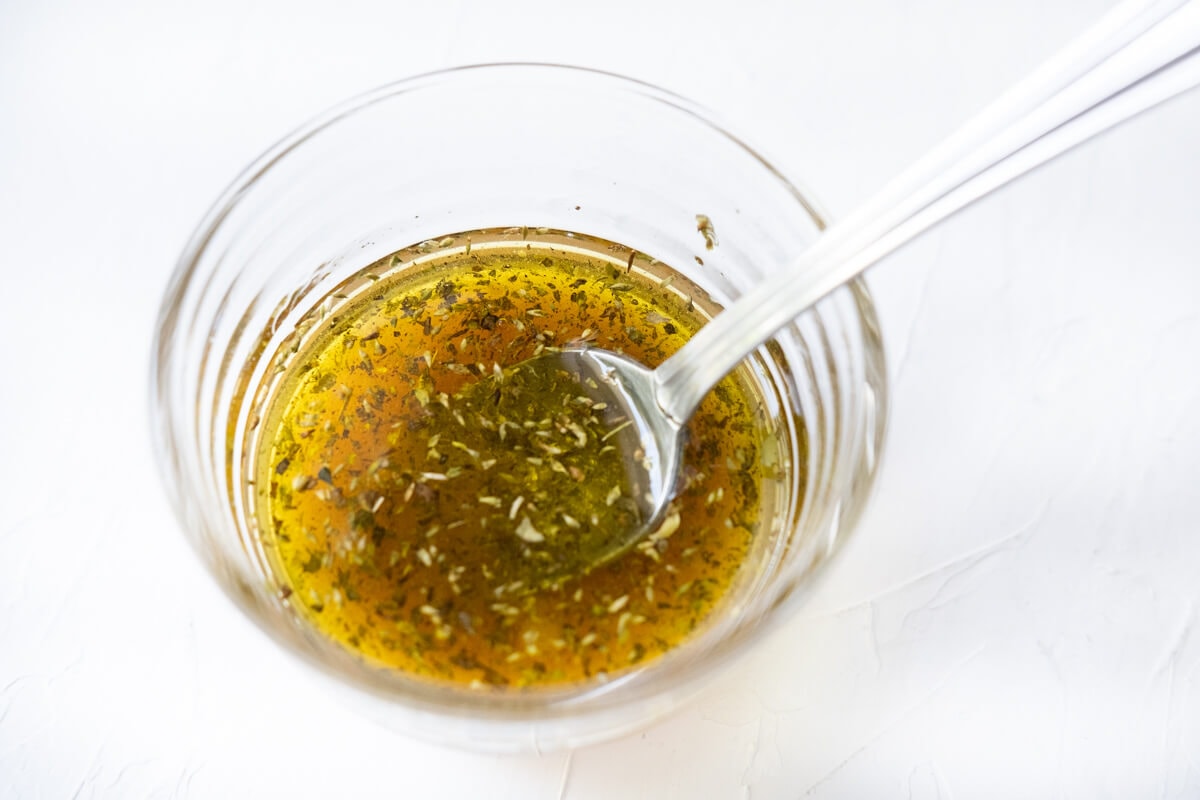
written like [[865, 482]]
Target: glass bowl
[[519, 146]]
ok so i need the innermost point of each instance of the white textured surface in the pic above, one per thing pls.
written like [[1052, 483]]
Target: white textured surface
[[1019, 614]]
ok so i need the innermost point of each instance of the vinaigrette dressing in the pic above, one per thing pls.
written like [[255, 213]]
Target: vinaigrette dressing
[[403, 516]]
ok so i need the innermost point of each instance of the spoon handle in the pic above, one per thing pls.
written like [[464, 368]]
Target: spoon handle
[[1139, 55]]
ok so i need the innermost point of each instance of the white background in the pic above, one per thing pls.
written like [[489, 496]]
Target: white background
[[1018, 614]]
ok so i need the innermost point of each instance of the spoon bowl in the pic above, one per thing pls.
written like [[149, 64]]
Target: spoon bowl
[[601, 403]]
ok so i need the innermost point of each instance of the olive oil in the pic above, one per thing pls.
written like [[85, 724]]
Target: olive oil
[[407, 520]]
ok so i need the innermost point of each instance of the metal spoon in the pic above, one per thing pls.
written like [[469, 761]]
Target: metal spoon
[[1139, 55]]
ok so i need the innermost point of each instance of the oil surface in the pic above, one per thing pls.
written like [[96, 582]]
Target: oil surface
[[399, 522]]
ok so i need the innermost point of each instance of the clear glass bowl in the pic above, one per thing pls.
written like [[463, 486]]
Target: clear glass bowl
[[492, 147]]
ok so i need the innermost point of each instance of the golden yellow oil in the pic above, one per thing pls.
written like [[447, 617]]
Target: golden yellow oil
[[377, 549]]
